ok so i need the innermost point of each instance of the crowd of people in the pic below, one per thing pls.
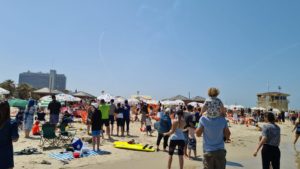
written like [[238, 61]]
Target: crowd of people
[[176, 126]]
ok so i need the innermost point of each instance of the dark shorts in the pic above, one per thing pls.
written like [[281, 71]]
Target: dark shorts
[[215, 159], [143, 118], [96, 133], [148, 128], [192, 144], [120, 122], [298, 132], [105, 122], [176, 143], [111, 119]]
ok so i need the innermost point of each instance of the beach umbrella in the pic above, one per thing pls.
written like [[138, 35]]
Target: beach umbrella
[[179, 102], [67, 98], [196, 104], [45, 103], [18, 103], [3, 91], [152, 102], [106, 97], [46, 98], [119, 99], [83, 95], [133, 101]]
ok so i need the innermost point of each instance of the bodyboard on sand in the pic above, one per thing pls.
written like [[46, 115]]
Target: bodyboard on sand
[[136, 147]]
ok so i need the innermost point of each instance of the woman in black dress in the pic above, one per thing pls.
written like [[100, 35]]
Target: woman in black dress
[[8, 134]]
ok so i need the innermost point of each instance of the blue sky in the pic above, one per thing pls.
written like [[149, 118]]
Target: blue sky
[[161, 48]]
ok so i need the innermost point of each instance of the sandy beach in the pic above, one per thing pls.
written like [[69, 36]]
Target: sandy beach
[[244, 141]]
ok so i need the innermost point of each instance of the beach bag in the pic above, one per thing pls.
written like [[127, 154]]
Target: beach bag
[[77, 144]]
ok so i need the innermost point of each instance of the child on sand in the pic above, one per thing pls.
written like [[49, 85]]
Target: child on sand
[[96, 126], [36, 128], [148, 126], [192, 143]]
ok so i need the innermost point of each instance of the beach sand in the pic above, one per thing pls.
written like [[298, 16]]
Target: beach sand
[[239, 152]]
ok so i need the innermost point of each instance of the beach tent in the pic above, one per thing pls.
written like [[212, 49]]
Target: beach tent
[[3, 91], [107, 97], [18, 103]]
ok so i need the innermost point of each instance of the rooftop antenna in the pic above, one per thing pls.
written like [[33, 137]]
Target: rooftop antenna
[[279, 88]]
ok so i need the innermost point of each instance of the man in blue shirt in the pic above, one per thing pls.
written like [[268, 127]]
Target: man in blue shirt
[[214, 131]]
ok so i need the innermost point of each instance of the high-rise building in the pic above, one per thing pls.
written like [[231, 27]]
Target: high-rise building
[[39, 80]]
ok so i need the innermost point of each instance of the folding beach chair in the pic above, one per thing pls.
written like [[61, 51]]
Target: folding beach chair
[[48, 136], [66, 136]]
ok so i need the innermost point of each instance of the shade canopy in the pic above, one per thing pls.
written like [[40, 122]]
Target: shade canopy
[[3, 91], [178, 97], [83, 95], [46, 90]]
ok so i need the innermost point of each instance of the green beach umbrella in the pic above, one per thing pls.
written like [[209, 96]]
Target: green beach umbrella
[[18, 103]]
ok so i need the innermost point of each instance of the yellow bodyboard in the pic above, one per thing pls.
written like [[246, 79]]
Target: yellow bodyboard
[[136, 147]]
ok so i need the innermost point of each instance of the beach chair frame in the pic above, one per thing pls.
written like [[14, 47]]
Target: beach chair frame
[[48, 136], [65, 136]]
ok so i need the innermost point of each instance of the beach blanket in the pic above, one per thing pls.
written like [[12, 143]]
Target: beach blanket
[[69, 155]]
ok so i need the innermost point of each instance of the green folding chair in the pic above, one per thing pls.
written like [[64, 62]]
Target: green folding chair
[[48, 136], [66, 136]]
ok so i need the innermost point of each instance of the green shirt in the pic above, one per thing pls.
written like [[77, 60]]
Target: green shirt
[[104, 111]]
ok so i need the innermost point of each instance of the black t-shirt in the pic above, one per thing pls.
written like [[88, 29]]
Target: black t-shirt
[[54, 107], [145, 109], [96, 120]]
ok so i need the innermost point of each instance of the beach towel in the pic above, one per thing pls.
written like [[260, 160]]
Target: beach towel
[[69, 155]]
